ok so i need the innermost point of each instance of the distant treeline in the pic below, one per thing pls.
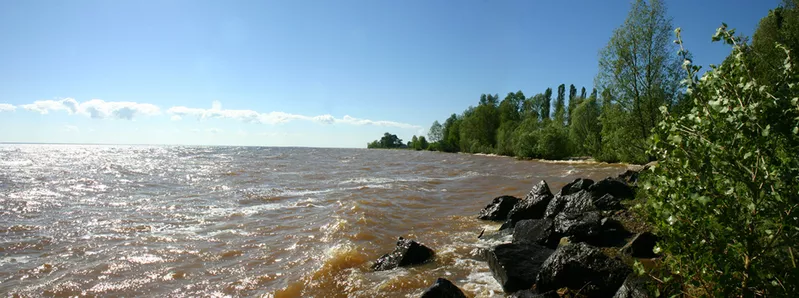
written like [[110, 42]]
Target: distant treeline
[[391, 141]]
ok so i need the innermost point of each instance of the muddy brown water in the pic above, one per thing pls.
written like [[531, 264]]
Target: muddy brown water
[[170, 221]]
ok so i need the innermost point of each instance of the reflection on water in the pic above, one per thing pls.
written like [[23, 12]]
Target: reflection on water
[[244, 221]]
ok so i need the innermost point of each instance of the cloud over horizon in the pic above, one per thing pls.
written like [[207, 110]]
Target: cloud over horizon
[[250, 116], [95, 108], [4, 107], [126, 110]]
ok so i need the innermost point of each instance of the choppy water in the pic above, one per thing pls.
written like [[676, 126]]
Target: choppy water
[[244, 221]]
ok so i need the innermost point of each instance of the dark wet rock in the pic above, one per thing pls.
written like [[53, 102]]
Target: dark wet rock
[[443, 288], [581, 266], [407, 252], [538, 231], [579, 202], [612, 234], [540, 189], [641, 246], [499, 208], [555, 206], [533, 294], [633, 287], [533, 206], [516, 265], [576, 186], [580, 227], [612, 186], [608, 202]]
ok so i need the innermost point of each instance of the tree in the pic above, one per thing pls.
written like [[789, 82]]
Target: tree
[[582, 93], [638, 66], [436, 132], [560, 105], [414, 144], [553, 142], [386, 142], [451, 134], [390, 141], [545, 105], [423, 144], [479, 126], [585, 130], [572, 103], [510, 114], [781, 25]]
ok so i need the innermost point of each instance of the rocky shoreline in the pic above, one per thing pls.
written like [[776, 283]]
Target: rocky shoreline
[[567, 244]]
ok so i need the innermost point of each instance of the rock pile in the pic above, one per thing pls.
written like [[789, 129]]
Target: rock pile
[[558, 243]]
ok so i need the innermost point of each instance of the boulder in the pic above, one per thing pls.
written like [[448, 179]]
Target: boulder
[[516, 265], [641, 246], [633, 287], [532, 206], [555, 206], [608, 202], [580, 266], [533, 294], [443, 288], [579, 202], [540, 189], [612, 234], [614, 187], [499, 208], [579, 226], [576, 186], [407, 252], [538, 231]]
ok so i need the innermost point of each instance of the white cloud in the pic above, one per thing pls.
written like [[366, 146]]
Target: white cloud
[[214, 130], [250, 116], [326, 119], [95, 108], [355, 121], [4, 107], [45, 106], [100, 109]]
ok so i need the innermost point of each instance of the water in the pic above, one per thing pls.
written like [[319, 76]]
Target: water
[[242, 221]]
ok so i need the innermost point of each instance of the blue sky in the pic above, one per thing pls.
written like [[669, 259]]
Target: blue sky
[[299, 73]]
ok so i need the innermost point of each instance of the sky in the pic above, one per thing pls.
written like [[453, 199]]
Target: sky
[[300, 73]]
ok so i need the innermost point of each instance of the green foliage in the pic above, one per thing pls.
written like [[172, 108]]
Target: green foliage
[[525, 138], [781, 25], [560, 105], [620, 141], [725, 194], [553, 142], [436, 132], [388, 141], [479, 126], [639, 68], [585, 131], [451, 134], [545, 105], [418, 143]]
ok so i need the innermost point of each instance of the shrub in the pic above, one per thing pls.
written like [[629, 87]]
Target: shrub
[[553, 142], [725, 195]]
